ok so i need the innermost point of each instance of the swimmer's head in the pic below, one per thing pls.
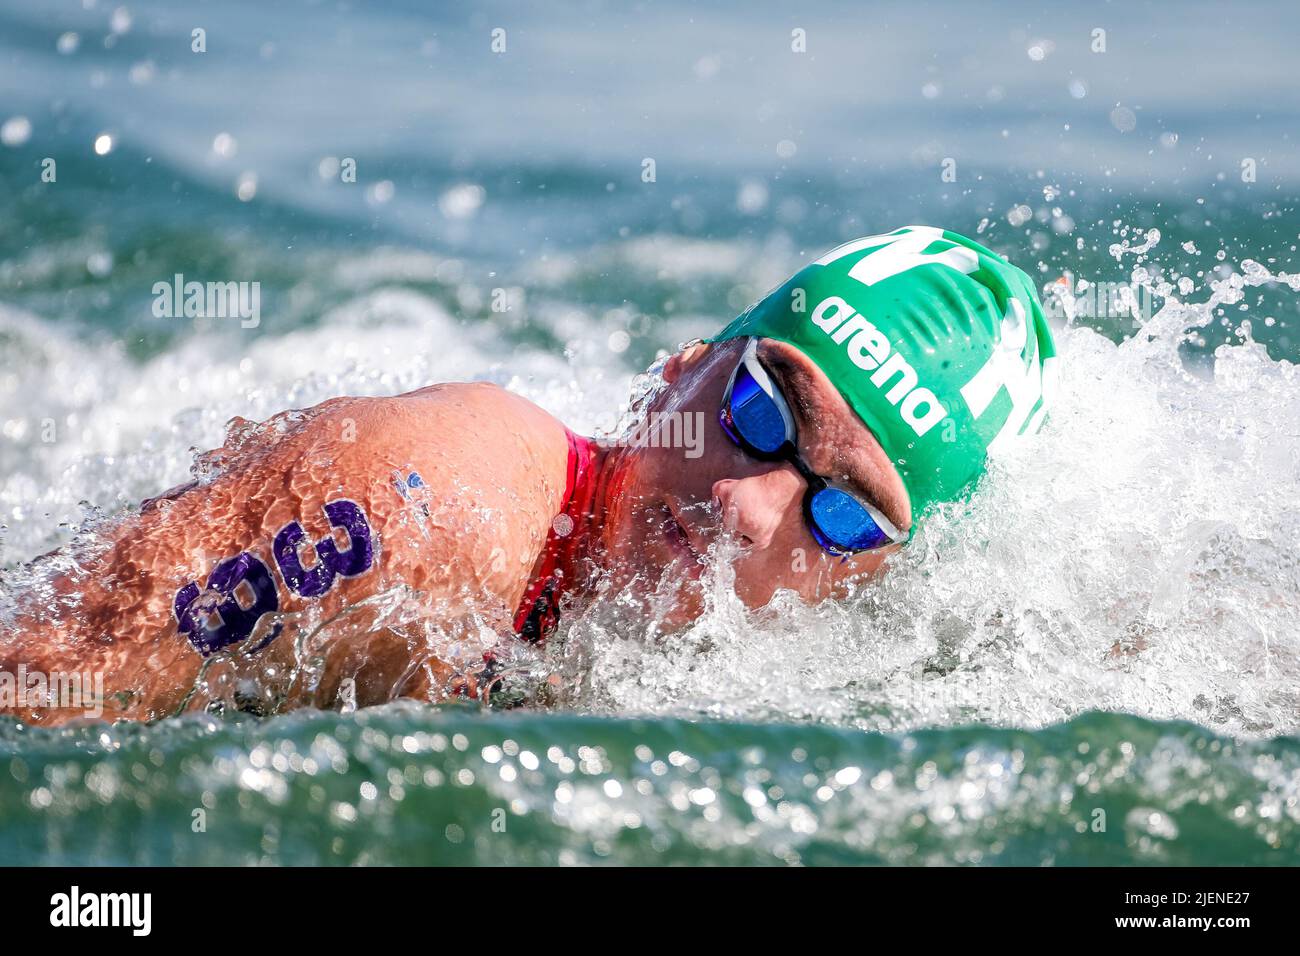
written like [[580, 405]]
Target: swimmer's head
[[905, 360], [938, 345]]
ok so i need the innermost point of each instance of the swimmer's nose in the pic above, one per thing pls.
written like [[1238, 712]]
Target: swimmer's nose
[[752, 507]]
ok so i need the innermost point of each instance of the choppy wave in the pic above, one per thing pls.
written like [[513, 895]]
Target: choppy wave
[[405, 785]]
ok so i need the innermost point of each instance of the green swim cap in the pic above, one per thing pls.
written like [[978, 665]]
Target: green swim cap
[[939, 345]]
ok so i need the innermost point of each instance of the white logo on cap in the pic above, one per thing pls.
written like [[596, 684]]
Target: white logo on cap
[[869, 349], [1006, 368]]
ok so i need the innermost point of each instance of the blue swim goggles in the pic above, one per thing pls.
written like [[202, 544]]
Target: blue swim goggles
[[756, 417]]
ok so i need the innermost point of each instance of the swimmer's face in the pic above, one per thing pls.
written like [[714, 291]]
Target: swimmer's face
[[688, 488]]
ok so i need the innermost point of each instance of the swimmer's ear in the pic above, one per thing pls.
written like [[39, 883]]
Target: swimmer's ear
[[685, 360]]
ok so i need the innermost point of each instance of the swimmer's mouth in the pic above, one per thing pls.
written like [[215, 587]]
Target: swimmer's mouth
[[680, 538]]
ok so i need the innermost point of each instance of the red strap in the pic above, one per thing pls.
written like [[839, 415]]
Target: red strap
[[548, 583]]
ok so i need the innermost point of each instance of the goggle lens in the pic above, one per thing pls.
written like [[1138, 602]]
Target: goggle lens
[[843, 522], [755, 415]]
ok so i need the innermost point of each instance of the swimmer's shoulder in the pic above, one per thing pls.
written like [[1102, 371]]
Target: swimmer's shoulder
[[456, 435], [450, 406], [483, 413], [468, 434], [476, 396]]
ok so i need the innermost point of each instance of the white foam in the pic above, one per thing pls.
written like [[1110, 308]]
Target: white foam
[[1142, 555], [122, 432]]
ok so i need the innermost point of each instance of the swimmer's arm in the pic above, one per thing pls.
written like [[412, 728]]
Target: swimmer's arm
[[457, 542]]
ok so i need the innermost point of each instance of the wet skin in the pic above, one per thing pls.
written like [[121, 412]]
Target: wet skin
[[451, 557]]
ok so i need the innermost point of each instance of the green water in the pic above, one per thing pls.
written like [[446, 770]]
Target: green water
[[406, 784]]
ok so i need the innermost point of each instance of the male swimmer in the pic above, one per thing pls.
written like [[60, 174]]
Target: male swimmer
[[839, 409]]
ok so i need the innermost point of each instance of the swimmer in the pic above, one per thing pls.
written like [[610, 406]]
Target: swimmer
[[371, 548]]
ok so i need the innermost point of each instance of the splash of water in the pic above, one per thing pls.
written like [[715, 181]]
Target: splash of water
[[1140, 556]]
